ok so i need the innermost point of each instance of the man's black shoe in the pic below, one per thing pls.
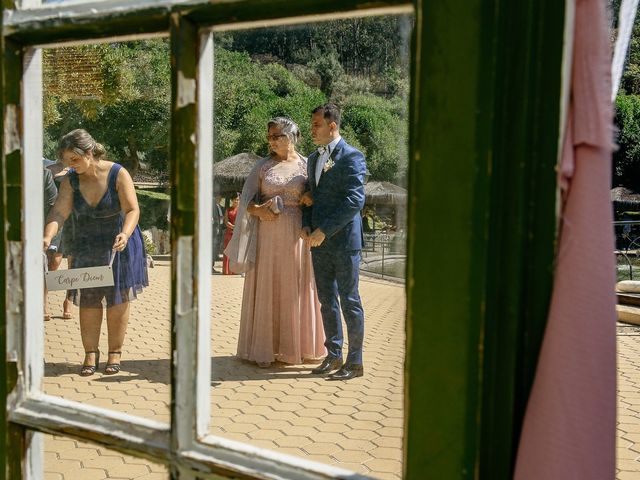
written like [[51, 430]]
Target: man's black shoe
[[347, 373], [328, 365]]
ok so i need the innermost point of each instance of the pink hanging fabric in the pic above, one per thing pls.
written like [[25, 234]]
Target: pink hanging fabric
[[569, 426]]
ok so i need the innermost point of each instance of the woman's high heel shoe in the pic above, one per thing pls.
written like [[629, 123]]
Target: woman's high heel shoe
[[88, 370], [112, 368]]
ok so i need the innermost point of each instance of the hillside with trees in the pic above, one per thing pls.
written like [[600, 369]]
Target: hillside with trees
[[362, 64]]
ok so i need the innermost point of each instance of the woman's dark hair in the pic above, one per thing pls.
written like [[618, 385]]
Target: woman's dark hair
[[82, 143]]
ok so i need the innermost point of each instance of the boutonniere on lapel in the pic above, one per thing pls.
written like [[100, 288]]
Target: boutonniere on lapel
[[328, 165]]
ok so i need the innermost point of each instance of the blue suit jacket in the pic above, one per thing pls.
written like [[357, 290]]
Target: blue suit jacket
[[338, 198]]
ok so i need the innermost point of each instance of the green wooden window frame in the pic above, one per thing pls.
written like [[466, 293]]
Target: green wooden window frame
[[485, 108]]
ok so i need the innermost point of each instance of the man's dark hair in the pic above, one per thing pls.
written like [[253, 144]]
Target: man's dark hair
[[330, 112]]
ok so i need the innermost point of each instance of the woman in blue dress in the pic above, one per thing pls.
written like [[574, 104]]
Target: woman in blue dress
[[101, 196]]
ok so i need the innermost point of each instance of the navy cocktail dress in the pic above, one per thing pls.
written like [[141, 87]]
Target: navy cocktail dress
[[96, 230]]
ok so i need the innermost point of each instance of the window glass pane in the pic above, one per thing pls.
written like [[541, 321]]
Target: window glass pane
[[627, 231], [68, 459], [120, 94], [267, 327]]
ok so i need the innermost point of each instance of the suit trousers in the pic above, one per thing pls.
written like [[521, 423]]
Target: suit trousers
[[337, 275], [216, 242]]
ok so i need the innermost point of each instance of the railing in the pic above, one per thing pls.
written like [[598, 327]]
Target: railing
[[383, 255], [627, 249]]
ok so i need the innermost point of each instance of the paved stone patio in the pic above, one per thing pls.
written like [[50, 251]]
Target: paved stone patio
[[355, 425], [628, 429]]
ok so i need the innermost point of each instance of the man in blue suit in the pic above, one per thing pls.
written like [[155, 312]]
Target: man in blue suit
[[332, 226], [217, 232]]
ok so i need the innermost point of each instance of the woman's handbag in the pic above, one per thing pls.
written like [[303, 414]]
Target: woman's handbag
[[276, 204], [74, 278]]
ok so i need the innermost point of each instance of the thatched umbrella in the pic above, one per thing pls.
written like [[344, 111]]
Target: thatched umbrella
[[229, 174], [625, 199], [384, 193]]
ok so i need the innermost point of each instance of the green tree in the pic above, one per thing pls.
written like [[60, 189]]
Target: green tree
[[626, 159], [380, 127], [630, 82], [128, 108], [329, 69], [248, 94], [364, 46], [131, 108]]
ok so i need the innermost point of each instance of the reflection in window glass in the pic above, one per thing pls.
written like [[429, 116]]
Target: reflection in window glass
[[267, 328], [66, 458], [120, 94]]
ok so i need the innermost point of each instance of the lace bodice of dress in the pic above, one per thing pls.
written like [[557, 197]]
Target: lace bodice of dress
[[286, 179]]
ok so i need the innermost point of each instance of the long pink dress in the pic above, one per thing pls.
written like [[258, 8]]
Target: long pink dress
[[569, 431], [280, 317]]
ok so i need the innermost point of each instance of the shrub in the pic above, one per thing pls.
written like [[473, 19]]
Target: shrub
[[149, 246], [154, 209], [626, 159], [380, 127]]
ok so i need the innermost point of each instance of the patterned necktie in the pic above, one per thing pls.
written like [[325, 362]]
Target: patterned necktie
[[323, 154]]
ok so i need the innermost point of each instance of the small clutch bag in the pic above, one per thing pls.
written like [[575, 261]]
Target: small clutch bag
[[276, 205]]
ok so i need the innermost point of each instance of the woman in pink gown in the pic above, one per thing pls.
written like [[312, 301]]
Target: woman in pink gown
[[280, 319]]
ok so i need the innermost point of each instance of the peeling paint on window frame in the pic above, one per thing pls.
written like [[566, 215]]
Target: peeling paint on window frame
[[478, 384], [185, 444]]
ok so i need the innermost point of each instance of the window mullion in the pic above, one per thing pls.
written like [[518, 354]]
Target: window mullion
[[33, 330], [34, 467], [33, 334], [17, 451], [243, 13], [116, 430], [204, 260], [22, 4], [184, 187], [89, 21]]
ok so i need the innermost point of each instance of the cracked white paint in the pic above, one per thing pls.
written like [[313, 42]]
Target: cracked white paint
[[186, 90], [14, 277], [184, 356], [32, 222], [191, 357], [11, 134], [79, 9], [14, 298], [14, 316], [184, 304], [28, 3], [204, 162], [185, 366], [117, 430]]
